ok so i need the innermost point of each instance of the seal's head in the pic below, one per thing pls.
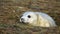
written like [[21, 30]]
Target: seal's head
[[28, 17]]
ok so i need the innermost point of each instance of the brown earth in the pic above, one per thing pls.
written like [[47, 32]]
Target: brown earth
[[10, 11]]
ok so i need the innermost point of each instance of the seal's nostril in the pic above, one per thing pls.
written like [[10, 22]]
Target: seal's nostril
[[22, 19]]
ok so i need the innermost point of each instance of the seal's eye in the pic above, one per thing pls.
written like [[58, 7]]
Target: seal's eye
[[29, 16]]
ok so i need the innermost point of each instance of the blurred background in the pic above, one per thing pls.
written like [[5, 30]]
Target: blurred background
[[10, 11]]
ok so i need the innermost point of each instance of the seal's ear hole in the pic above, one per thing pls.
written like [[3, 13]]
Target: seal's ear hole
[[29, 16]]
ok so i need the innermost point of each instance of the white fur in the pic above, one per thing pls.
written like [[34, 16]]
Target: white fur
[[38, 19]]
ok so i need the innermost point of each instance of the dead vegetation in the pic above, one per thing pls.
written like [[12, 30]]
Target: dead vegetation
[[10, 11]]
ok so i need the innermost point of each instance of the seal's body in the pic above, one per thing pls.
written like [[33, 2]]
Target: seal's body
[[37, 19]]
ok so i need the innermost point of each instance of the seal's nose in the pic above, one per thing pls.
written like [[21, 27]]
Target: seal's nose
[[22, 19]]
